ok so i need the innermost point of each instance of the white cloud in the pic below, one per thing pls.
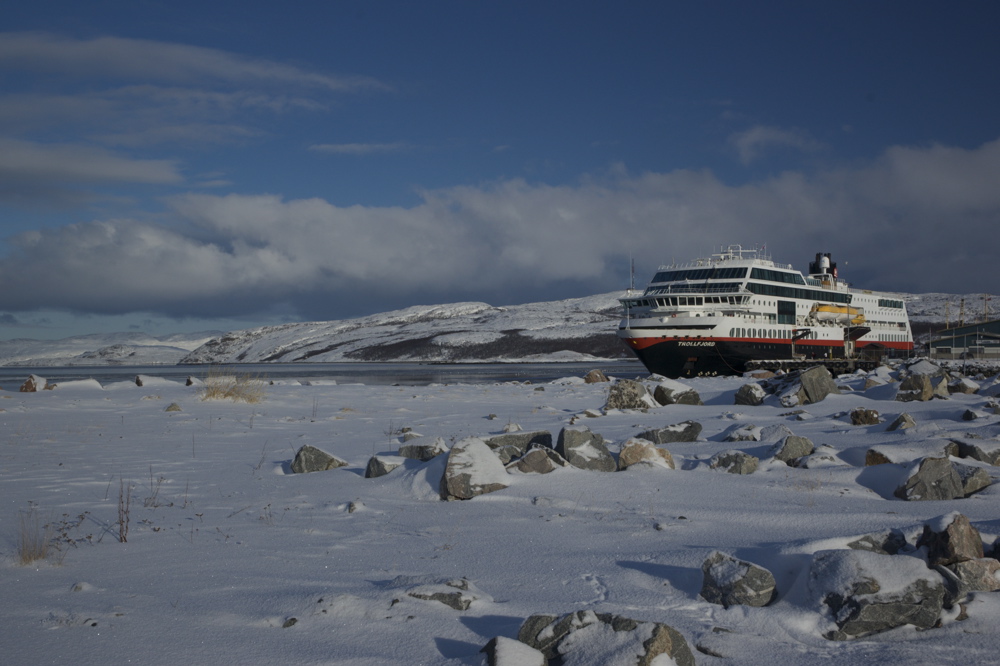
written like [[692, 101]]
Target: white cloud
[[147, 60], [25, 160], [360, 148], [891, 225], [751, 143]]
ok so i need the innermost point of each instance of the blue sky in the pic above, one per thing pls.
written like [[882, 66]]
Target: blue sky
[[170, 166]]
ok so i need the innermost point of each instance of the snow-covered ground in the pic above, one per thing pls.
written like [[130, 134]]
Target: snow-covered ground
[[225, 547]]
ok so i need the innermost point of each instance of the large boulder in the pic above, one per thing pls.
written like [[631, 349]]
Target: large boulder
[[472, 470], [792, 448], [751, 395], [931, 479], [949, 539], [743, 433], [424, 451], [32, 384], [809, 386], [686, 431], [902, 422], [382, 465], [457, 593], [503, 651], [585, 449], [889, 542], [922, 387], [866, 593], [983, 451], [539, 460], [862, 416], [973, 478], [595, 376], [629, 394], [603, 638], [515, 444], [963, 385], [637, 451], [669, 392], [310, 459], [730, 582], [734, 462]]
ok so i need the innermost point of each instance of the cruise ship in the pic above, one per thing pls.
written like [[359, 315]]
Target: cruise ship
[[715, 316]]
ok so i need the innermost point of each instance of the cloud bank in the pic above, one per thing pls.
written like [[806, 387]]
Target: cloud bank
[[917, 219]]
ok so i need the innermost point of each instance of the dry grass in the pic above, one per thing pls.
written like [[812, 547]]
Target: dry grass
[[222, 384], [33, 538]]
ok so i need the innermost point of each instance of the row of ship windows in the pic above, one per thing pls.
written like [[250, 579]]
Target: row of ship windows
[[786, 335]]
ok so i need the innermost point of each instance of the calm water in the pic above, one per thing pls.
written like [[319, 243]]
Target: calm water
[[411, 374]]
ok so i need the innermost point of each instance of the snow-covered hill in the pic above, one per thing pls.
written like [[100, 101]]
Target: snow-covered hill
[[576, 329], [103, 349]]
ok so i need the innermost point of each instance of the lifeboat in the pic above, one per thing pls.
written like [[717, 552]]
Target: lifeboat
[[840, 314]]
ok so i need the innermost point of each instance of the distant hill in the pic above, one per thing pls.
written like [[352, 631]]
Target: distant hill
[[575, 329]]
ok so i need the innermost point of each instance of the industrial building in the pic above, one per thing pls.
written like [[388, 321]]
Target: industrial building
[[978, 341]]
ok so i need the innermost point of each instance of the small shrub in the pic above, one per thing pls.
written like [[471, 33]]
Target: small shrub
[[33, 538], [238, 387]]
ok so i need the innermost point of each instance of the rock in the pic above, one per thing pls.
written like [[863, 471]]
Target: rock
[[885, 543], [32, 384], [973, 478], [585, 450], [922, 387], [515, 444], [310, 459], [686, 431], [734, 462], [457, 593], [972, 415], [774, 432], [409, 435], [472, 470], [382, 465], [629, 394], [902, 422], [750, 394], [597, 638], [964, 385], [823, 456], [173, 407], [862, 416], [675, 393], [502, 651], [925, 367], [979, 451], [791, 448], [424, 452], [743, 433], [949, 539], [875, 457], [539, 460], [931, 479], [636, 451], [816, 385], [848, 583], [595, 377], [730, 582], [980, 574]]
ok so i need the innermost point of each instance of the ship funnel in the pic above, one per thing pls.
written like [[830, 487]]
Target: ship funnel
[[822, 265]]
